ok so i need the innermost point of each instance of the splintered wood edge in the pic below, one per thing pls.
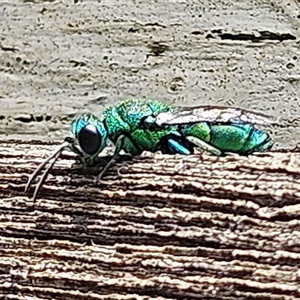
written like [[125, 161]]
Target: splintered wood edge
[[155, 227]]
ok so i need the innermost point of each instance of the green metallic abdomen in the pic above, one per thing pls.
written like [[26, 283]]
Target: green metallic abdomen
[[230, 137], [238, 138]]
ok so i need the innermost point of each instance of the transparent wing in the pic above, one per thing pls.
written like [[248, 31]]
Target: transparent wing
[[214, 114]]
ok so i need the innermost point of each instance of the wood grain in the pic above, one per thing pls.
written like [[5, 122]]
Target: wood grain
[[155, 227], [61, 58]]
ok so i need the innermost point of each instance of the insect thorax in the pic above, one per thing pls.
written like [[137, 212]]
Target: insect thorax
[[129, 119]]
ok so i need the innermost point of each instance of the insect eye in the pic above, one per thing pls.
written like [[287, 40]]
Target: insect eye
[[89, 139]]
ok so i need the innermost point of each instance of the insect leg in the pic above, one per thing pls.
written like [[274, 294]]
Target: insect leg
[[231, 154], [203, 145], [177, 147], [119, 146]]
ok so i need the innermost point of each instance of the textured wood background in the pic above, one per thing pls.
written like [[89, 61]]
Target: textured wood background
[[196, 227], [162, 227]]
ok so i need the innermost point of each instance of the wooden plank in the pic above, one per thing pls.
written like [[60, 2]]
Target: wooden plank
[[61, 58], [196, 227], [156, 227]]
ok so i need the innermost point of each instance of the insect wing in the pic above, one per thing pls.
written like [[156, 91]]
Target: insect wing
[[214, 114]]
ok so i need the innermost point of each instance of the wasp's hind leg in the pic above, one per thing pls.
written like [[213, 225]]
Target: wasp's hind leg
[[205, 146], [176, 144], [231, 154], [176, 147]]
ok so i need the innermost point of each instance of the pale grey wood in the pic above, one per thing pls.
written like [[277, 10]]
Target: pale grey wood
[[59, 58]]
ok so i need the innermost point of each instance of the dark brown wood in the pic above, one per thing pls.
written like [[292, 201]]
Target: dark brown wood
[[155, 227], [60, 58]]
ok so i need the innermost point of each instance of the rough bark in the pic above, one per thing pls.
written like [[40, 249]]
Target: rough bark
[[155, 227]]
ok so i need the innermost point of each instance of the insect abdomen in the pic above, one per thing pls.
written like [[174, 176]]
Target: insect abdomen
[[257, 141], [237, 138]]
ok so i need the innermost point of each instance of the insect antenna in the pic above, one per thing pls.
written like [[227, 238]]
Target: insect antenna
[[43, 177], [55, 155]]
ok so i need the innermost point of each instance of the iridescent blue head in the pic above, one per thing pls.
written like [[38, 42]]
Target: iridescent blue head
[[91, 135]]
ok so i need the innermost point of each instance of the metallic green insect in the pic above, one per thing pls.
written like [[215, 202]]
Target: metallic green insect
[[220, 130], [139, 125]]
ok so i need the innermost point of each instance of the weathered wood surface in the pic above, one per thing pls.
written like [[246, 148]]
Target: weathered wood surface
[[166, 227], [156, 227], [59, 58]]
